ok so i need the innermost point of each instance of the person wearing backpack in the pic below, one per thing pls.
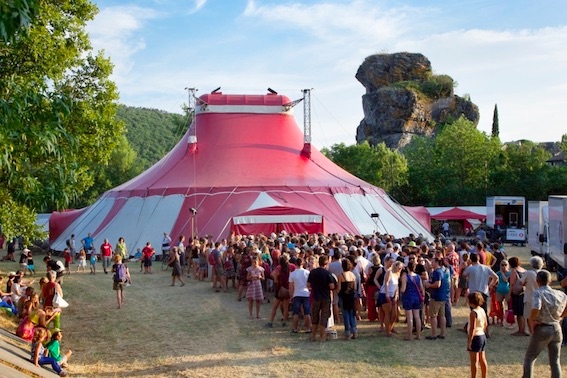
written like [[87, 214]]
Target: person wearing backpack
[[120, 276]]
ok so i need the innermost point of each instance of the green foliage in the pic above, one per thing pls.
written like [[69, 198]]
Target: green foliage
[[151, 132], [57, 111], [377, 165], [18, 219], [432, 88], [16, 16], [451, 168], [462, 166]]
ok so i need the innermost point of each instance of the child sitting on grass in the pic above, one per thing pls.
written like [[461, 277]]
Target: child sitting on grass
[[39, 353], [54, 349]]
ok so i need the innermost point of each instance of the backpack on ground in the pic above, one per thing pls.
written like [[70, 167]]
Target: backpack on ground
[[119, 273]]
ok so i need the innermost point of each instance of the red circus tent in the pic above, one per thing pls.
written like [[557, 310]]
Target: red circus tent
[[242, 166]]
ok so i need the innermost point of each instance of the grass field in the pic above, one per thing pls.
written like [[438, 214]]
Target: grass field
[[192, 331]]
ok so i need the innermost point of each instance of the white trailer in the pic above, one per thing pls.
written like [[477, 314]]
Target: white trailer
[[538, 228], [507, 214], [557, 230]]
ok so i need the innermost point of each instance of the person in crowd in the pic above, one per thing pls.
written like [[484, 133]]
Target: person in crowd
[[452, 259], [245, 263], [229, 266], [371, 287], [439, 286], [202, 264], [106, 255], [182, 254], [121, 249], [31, 265], [502, 292], [174, 261], [321, 282], [53, 348], [82, 261], [88, 244], [347, 290], [255, 275], [462, 288], [148, 252], [335, 268], [300, 292], [92, 263], [195, 248], [49, 290], [72, 247], [476, 341], [67, 259], [517, 295], [282, 291], [379, 281], [413, 294], [529, 282], [23, 262], [481, 279], [38, 352], [389, 296], [55, 266], [165, 246], [121, 275], [549, 306], [219, 276], [38, 318]]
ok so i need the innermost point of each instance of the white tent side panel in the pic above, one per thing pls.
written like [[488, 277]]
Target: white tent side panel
[[87, 222], [139, 216]]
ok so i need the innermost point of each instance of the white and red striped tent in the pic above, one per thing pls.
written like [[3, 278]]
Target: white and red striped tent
[[244, 167]]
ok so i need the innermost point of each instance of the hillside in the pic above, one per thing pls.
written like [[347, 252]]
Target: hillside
[[151, 132]]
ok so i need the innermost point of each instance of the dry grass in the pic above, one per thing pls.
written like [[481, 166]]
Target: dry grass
[[194, 332]]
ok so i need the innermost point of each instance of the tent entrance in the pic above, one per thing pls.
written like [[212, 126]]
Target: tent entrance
[[277, 219]]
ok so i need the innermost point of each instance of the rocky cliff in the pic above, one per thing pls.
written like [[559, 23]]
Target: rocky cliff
[[403, 98]]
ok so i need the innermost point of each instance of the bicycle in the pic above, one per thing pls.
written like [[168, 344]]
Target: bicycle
[[164, 260]]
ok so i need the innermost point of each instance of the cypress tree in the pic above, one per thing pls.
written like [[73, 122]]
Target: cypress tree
[[495, 128]]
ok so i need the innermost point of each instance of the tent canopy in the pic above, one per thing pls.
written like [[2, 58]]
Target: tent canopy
[[241, 153], [457, 213]]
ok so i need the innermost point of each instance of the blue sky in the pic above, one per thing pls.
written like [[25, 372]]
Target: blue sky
[[512, 53]]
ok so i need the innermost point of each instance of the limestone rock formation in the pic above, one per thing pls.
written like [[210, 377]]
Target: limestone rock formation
[[403, 98]]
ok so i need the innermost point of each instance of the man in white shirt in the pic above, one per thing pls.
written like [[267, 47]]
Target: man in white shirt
[[300, 294], [549, 307]]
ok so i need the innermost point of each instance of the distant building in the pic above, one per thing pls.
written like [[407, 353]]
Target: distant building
[[557, 159]]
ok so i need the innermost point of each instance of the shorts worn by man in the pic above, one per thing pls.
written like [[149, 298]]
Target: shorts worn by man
[[321, 282], [549, 306]]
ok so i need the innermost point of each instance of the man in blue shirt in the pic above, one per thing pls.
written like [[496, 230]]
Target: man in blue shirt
[[440, 293], [88, 243]]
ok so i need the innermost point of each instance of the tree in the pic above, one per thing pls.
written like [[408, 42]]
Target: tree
[[453, 168], [495, 127], [16, 16], [377, 165], [57, 109]]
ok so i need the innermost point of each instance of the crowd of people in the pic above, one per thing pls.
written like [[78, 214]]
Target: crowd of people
[[317, 281], [332, 279], [38, 312]]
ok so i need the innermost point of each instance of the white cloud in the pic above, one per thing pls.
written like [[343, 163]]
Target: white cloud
[[116, 30], [321, 45], [198, 5]]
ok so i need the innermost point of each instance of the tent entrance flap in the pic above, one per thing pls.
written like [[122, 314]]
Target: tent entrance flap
[[276, 219]]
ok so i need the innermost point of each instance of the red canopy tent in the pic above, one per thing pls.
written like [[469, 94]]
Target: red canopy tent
[[457, 213], [243, 158]]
